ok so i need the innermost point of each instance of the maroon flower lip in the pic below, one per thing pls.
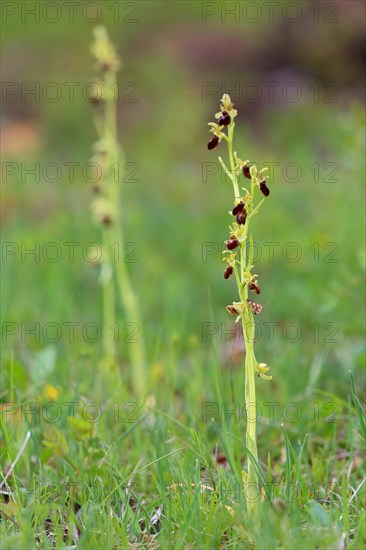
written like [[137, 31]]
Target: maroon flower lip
[[224, 120], [254, 287], [263, 187], [241, 217], [232, 243], [256, 308], [232, 310], [228, 272], [213, 143], [240, 213], [246, 172], [238, 208]]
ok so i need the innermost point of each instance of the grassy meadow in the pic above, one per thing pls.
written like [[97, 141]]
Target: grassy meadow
[[99, 466]]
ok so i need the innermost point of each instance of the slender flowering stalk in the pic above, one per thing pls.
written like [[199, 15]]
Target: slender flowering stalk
[[106, 207], [239, 260]]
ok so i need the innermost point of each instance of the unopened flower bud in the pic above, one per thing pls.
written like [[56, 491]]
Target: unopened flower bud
[[262, 368], [105, 66], [228, 272], [213, 143], [102, 211], [95, 99], [106, 221], [263, 187], [96, 188]]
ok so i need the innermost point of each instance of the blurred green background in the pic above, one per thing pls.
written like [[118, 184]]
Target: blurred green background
[[295, 75]]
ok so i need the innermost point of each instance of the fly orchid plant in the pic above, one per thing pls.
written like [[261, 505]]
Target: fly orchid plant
[[239, 262], [107, 211]]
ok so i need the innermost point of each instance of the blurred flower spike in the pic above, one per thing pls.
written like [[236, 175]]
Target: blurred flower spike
[[104, 51]]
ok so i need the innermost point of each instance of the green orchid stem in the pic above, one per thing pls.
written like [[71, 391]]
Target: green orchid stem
[[136, 347], [252, 488], [232, 160], [248, 326], [109, 314], [111, 236]]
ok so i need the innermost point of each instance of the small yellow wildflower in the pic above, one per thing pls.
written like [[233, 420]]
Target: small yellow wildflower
[[50, 392]]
